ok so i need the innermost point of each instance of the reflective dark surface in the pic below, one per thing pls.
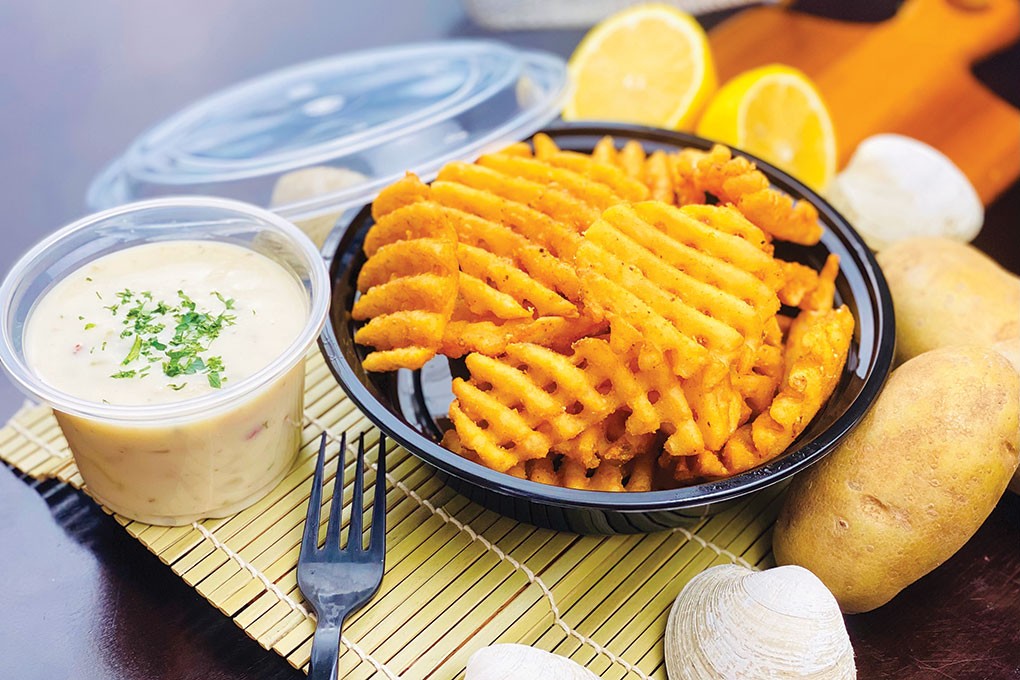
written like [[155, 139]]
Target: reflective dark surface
[[412, 407], [80, 598]]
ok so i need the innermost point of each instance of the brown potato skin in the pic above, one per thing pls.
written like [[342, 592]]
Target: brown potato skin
[[948, 293], [1011, 350], [912, 483]]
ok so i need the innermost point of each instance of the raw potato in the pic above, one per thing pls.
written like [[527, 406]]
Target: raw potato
[[912, 483], [948, 293]]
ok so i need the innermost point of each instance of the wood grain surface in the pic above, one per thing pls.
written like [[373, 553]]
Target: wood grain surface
[[909, 74]]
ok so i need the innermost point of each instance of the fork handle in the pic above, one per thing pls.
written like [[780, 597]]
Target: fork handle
[[325, 660]]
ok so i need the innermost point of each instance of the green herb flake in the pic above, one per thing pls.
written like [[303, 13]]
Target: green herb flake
[[193, 333], [177, 387], [123, 374], [135, 349], [89, 326]]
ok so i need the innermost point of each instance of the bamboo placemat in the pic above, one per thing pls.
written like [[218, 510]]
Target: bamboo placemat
[[458, 577]]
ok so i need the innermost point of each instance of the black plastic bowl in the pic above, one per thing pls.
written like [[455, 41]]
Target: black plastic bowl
[[411, 406]]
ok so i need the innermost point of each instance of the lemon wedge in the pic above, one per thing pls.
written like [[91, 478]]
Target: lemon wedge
[[649, 64], [776, 113]]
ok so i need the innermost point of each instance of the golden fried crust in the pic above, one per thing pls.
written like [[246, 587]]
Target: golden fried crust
[[614, 343], [735, 180]]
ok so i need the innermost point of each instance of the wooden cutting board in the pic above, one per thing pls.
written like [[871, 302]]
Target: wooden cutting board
[[910, 74]]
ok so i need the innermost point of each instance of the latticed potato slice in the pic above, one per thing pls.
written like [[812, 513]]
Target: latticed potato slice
[[605, 152], [545, 146], [816, 350], [736, 180], [674, 242], [516, 407], [634, 475], [700, 467], [824, 294], [716, 404], [805, 288], [494, 237], [658, 177], [498, 277], [408, 288], [607, 440], [591, 192], [552, 201], [632, 159], [603, 172], [758, 385], [658, 269], [534, 225], [491, 338], [404, 191], [408, 335], [681, 171]]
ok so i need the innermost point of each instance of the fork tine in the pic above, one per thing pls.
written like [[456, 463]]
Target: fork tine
[[310, 538], [376, 543], [355, 539], [337, 505]]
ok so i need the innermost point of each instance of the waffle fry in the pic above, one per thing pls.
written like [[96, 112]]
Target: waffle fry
[[491, 338], [554, 202], [635, 475], [497, 276], [613, 342], [816, 348], [404, 191], [630, 269], [734, 179], [658, 177], [653, 400], [409, 286], [577, 185], [516, 407]]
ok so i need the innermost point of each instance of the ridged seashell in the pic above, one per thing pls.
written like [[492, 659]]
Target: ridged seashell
[[509, 661], [731, 622]]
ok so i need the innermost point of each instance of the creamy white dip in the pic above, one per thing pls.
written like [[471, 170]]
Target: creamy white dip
[[157, 324], [80, 336]]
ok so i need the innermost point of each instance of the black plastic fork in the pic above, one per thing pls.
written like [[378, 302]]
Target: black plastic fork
[[338, 581]]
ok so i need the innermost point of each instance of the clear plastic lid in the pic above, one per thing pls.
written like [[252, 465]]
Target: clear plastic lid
[[351, 124]]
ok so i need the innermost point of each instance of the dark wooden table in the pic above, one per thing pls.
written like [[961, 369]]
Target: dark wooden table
[[79, 598]]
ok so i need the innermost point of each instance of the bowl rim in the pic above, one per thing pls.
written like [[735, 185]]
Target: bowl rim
[[30, 383], [771, 472]]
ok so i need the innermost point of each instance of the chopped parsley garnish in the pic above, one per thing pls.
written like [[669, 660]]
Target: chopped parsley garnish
[[185, 352], [89, 326]]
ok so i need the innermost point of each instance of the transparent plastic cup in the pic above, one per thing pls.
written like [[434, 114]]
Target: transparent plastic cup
[[174, 463]]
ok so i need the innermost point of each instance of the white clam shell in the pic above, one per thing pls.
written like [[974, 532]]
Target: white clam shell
[[895, 187], [517, 662], [730, 622]]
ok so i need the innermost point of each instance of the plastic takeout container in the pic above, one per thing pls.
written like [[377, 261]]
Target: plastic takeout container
[[179, 462], [313, 140]]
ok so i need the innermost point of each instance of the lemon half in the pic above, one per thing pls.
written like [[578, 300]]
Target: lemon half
[[649, 64], [775, 112]]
